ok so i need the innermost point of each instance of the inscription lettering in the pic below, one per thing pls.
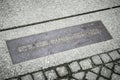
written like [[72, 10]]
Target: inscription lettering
[[66, 38]]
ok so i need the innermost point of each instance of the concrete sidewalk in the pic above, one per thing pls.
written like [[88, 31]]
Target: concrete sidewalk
[[24, 18]]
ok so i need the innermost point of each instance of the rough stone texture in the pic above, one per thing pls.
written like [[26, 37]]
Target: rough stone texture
[[51, 75], [105, 58], [96, 70], [109, 65], [13, 79], [117, 69], [101, 78], [62, 71], [74, 66], [118, 61], [86, 64], [115, 55], [79, 75], [27, 77], [105, 72], [119, 50], [64, 79], [91, 76], [38, 76], [15, 13], [96, 60], [115, 77], [72, 79], [110, 18]]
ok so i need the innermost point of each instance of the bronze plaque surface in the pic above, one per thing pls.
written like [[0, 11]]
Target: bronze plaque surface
[[43, 44]]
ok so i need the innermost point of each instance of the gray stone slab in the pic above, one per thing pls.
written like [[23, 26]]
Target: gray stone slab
[[22, 12], [44, 44], [110, 18]]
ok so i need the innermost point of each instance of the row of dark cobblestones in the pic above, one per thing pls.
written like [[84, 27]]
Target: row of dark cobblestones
[[104, 66]]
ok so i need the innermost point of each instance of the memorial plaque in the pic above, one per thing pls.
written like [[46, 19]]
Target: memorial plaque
[[43, 44]]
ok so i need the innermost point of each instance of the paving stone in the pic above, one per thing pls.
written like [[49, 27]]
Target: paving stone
[[96, 60], [101, 78], [96, 70], [118, 61], [105, 72], [86, 64], [117, 69], [119, 50], [109, 65], [115, 55], [13, 79], [22, 12], [38, 76], [72, 79], [27, 77], [79, 75], [62, 71], [115, 77], [105, 58], [74, 66], [91, 76], [51, 75], [64, 79]]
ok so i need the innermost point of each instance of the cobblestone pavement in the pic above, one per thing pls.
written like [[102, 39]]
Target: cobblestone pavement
[[104, 66]]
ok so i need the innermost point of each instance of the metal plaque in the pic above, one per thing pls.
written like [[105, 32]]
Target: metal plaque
[[43, 44]]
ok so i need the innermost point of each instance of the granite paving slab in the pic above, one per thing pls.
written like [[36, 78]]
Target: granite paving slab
[[23, 12]]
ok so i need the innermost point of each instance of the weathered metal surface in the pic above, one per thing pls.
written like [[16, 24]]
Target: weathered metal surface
[[55, 41]]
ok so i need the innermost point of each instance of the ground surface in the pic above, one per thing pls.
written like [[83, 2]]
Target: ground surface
[[99, 61]]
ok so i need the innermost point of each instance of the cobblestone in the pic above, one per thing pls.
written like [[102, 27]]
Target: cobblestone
[[109, 65], [96, 70], [51, 75], [74, 66], [79, 75], [38, 76], [96, 60], [105, 72], [118, 61], [91, 76], [115, 77], [119, 50], [72, 79], [64, 79], [115, 55], [117, 69], [27, 77], [101, 78], [86, 64], [62, 71], [85, 69], [13, 79], [105, 58]]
